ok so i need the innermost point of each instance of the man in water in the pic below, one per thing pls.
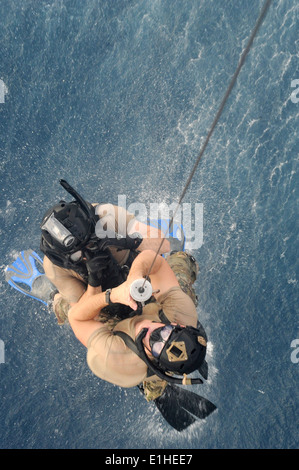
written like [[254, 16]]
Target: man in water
[[165, 338], [88, 244]]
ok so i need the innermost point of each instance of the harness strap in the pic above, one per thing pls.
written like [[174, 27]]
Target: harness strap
[[163, 317], [128, 341], [131, 345]]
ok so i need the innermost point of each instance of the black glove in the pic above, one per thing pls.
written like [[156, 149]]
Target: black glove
[[130, 242], [95, 267], [126, 243]]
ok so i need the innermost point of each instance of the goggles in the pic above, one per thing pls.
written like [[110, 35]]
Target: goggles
[[58, 231], [158, 339]]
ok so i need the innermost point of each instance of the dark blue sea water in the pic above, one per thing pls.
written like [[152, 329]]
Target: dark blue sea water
[[117, 96]]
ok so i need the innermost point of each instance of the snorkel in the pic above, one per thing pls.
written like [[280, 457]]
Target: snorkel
[[87, 208]]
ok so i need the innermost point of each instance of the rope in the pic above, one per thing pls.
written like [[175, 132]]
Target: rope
[[216, 119]]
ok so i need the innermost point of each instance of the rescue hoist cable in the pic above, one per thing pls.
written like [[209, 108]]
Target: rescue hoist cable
[[216, 119]]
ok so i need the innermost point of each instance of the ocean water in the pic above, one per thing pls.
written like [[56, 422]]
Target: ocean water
[[117, 97]]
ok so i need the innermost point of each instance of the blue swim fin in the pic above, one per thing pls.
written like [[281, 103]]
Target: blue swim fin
[[26, 274]]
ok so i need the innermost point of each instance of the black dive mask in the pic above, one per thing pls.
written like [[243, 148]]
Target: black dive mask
[[67, 227]]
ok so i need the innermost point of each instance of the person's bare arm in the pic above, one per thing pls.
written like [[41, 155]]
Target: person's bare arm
[[82, 315], [161, 275]]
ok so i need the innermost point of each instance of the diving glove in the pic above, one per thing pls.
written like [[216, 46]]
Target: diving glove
[[130, 242], [95, 267]]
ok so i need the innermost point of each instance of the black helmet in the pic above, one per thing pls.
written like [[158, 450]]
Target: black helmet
[[67, 227], [182, 352]]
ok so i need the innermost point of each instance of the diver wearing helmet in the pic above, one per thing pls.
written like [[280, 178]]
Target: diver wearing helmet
[[86, 244], [164, 342]]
